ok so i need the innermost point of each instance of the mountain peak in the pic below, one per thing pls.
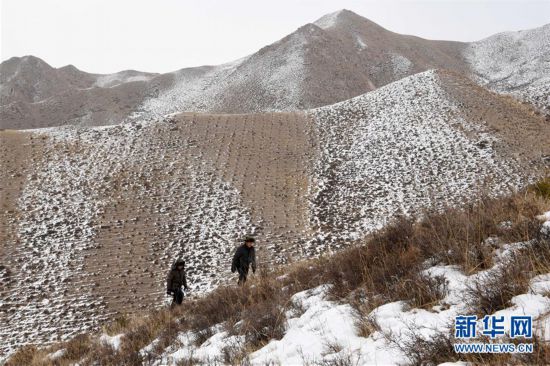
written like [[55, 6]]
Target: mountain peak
[[332, 19], [70, 68], [33, 60], [15, 65]]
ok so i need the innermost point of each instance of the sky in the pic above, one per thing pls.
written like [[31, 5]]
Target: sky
[[105, 36]]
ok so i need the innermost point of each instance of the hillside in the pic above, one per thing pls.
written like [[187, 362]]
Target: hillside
[[522, 68], [294, 72], [340, 56], [378, 148], [33, 94], [79, 202], [389, 300], [30, 79]]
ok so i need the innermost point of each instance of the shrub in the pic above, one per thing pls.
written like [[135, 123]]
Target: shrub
[[439, 349], [494, 290], [542, 188]]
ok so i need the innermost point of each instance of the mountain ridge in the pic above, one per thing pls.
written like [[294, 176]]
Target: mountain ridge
[[311, 67]]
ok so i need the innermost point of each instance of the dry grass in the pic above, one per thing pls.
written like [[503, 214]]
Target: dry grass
[[495, 289], [422, 291], [388, 265], [384, 267], [236, 354], [29, 355], [542, 188], [538, 256], [421, 351], [439, 349]]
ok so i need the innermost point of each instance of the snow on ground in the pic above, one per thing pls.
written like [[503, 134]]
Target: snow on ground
[[324, 331], [55, 230], [57, 354], [395, 150], [112, 341], [361, 45], [209, 208], [191, 90], [211, 351], [546, 226], [329, 20], [283, 76], [400, 65], [544, 217], [270, 80], [62, 205], [403, 323], [110, 80], [514, 62]]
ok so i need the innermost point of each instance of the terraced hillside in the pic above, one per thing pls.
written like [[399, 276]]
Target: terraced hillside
[[91, 218], [101, 213], [431, 139]]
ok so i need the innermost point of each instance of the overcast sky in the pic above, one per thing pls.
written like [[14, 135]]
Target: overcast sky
[[106, 36]]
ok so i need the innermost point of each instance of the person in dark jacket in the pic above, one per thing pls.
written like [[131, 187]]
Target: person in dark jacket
[[175, 280], [244, 258]]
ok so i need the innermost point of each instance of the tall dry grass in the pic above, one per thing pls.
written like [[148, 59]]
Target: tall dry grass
[[384, 267]]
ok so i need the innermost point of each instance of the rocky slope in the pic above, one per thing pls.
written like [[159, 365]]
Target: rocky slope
[[338, 57], [92, 217]]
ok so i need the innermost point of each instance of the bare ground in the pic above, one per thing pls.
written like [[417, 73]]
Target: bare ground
[[139, 230], [523, 132]]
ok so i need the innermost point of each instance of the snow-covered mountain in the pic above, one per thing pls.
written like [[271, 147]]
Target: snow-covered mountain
[[319, 64], [340, 56], [516, 63], [92, 217], [376, 151]]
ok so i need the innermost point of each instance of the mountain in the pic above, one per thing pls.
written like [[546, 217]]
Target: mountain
[[340, 56], [29, 79], [516, 63], [34, 94], [92, 217], [377, 149], [318, 64]]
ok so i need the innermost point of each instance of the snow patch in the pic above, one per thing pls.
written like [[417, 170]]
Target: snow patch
[[57, 354], [110, 80], [112, 341], [361, 45], [400, 64], [328, 20]]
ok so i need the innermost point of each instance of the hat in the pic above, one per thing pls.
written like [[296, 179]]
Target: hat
[[249, 239]]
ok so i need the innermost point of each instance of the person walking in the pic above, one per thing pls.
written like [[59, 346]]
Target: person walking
[[175, 280], [244, 258]]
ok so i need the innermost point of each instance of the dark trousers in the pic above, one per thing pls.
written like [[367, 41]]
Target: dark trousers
[[243, 273], [178, 296]]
